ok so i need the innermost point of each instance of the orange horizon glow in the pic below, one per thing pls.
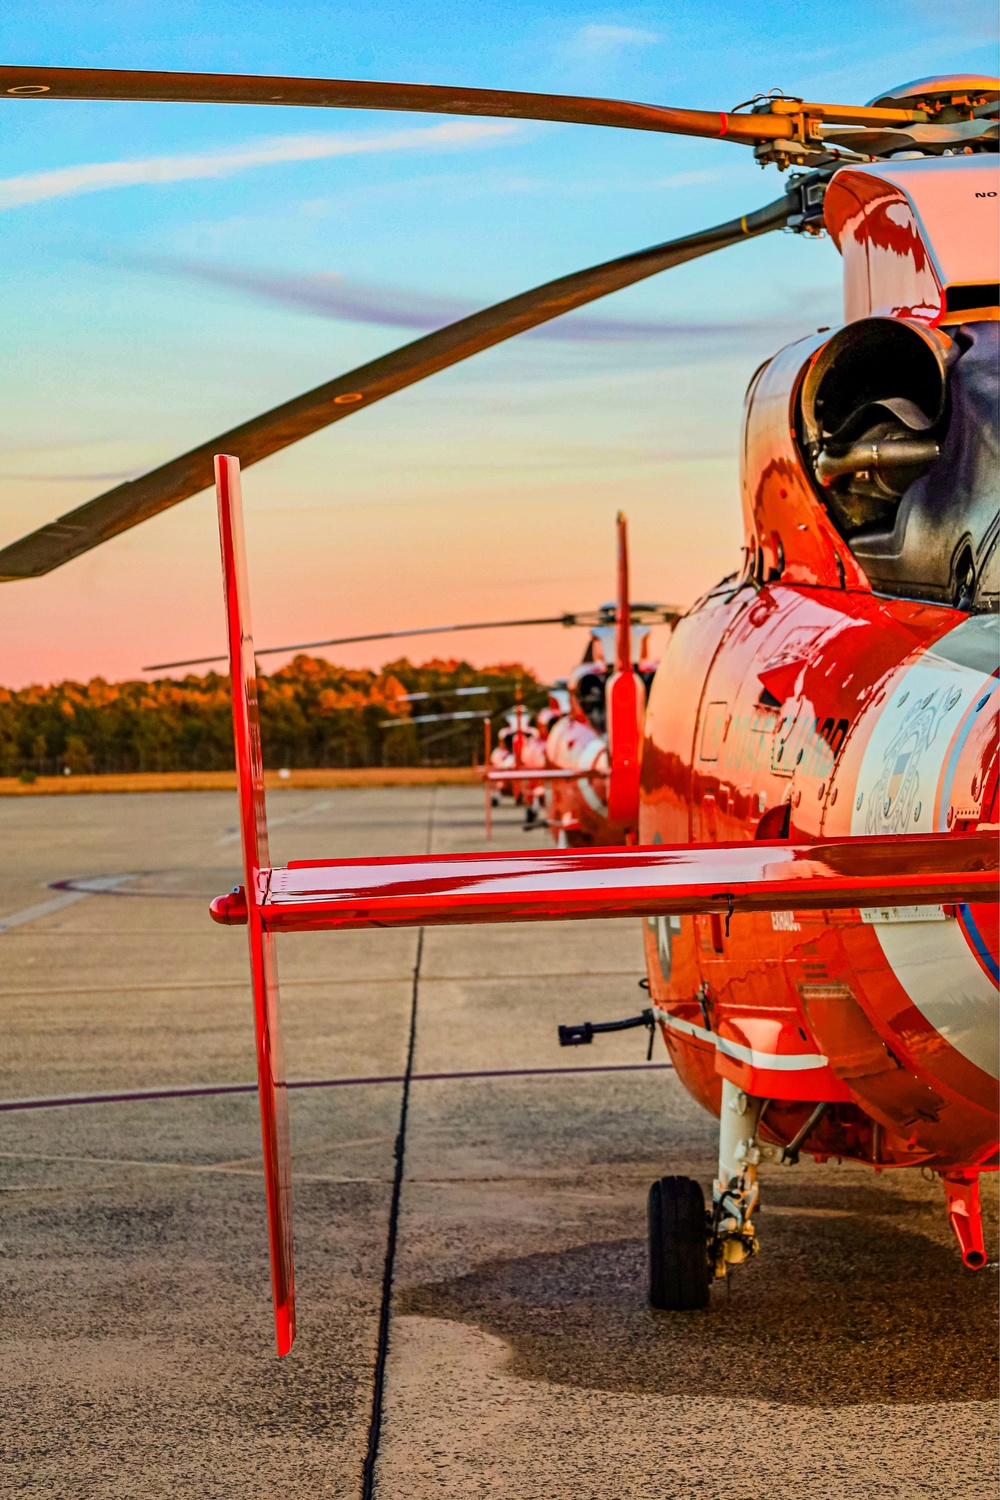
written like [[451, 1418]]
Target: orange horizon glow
[[154, 594]]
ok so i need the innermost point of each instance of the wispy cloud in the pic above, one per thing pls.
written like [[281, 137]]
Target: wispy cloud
[[607, 41], [324, 294], [98, 177], [71, 478], [330, 295]]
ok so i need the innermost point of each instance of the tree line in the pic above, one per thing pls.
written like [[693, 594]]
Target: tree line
[[312, 713]]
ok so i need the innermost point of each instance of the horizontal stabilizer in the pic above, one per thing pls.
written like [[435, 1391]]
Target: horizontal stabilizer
[[567, 884], [545, 773]]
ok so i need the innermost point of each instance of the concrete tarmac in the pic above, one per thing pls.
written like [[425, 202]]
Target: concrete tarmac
[[853, 1358]]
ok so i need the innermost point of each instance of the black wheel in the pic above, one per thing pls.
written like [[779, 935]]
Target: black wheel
[[678, 1245]]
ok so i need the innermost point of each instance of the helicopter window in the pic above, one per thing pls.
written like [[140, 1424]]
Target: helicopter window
[[590, 696], [834, 731], [775, 823], [764, 718], [713, 730], [966, 298]]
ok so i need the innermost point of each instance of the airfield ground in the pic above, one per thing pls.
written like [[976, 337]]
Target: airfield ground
[[854, 1358]]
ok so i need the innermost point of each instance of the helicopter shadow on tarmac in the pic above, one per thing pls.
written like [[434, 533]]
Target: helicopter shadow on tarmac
[[845, 1306]]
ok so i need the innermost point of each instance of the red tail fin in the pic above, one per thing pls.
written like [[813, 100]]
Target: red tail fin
[[625, 699], [623, 636], [487, 789], [263, 970], [518, 740]]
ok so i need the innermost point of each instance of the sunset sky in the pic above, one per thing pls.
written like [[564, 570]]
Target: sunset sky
[[170, 270]]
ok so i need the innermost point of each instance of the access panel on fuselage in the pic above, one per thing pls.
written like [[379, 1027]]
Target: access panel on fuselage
[[710, 775], [746, 750], [672, 716], [787, 676]]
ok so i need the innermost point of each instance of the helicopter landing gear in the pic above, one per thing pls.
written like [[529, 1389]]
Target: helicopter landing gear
[[688, 1247], [678, 1245], [735, 1193]]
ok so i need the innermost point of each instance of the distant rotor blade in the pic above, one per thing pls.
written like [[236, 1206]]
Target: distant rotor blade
[[650, 614], [381, 635], [462, 692], [471, 713], [416, 98], [116, 510]]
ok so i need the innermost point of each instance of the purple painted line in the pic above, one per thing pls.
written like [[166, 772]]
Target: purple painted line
[[537, 1072], [188, 1091], [199, 1090]]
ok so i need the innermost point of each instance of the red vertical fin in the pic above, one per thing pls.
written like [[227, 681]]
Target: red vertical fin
[[518, 743], [626, 700], [256, 868], [623, 614]]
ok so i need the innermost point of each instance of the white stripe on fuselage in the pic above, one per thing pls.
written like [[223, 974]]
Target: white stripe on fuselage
[[780, 1062], [897, 788], [588, 791], [939, 972]]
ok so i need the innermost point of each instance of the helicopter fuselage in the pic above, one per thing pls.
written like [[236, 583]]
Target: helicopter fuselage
[[800, 712], [807, 697]]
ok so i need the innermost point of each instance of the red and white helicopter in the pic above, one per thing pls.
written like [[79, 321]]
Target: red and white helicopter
[[560, 764], [816, 783], [581, 762]]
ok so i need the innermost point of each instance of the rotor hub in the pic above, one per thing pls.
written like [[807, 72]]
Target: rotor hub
[[945, 98]]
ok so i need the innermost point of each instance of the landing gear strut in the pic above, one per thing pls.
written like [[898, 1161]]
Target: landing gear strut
[[689, 1247], [735, 1193]]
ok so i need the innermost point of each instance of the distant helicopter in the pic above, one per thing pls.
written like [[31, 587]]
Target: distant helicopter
[[581, 765], [576, 766], [817, 855]]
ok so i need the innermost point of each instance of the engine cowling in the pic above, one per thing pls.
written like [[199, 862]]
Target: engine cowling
[[897, 424], [871, 461]]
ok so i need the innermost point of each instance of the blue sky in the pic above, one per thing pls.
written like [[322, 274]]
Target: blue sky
[[156, 260]]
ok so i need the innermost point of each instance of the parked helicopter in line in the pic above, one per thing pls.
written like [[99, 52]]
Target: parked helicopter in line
[[581, 764], [558, 763], [817, 773]]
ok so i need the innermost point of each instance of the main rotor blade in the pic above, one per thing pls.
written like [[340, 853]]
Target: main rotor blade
[[417, 98], [138, 500]]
